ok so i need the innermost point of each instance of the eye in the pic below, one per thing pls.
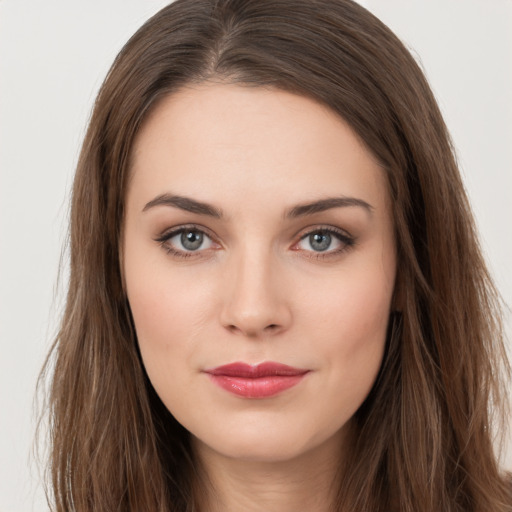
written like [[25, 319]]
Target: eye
[[190, 240], [184, 241], [325, 240]]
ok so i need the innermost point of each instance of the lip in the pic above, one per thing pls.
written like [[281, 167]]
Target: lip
[[256, 381]]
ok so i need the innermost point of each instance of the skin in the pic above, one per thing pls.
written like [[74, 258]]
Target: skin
[[258, 289]]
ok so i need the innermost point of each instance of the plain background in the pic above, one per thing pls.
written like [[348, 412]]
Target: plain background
[[53, 57]]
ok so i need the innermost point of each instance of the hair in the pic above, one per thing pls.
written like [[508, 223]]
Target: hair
[[424, 437]]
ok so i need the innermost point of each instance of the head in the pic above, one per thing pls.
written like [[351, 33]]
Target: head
[[332, 56]]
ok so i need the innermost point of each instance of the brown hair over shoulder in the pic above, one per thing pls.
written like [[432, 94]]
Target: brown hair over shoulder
[[423, 439]]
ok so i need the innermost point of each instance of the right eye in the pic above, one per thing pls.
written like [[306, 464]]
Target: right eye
[[185, 241], [190, 240]]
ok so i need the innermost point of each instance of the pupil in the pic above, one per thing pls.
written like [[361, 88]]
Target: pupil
[[191, 240], [320, 241]]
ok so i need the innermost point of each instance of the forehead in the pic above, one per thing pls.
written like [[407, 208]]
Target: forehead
[[214, 140]]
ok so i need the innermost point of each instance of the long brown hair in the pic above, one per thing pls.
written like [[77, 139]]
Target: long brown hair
[[424, 436]]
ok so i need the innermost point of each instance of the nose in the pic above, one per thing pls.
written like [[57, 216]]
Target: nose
[[255, 299]]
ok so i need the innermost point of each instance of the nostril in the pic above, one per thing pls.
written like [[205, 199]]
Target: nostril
[[271, 328]]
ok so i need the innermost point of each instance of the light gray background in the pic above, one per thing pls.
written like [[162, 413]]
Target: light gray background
[[53, 57]]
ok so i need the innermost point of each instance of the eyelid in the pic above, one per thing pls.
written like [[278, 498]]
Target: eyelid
[[342, 233], [169, 233], [347, 240]]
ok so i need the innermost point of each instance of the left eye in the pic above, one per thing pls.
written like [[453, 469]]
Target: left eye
[[324, 240], [189, 240]]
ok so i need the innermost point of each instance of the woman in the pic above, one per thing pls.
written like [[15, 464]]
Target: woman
[[277, 299]]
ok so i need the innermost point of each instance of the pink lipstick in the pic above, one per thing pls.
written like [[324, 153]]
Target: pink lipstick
[[261, 381]]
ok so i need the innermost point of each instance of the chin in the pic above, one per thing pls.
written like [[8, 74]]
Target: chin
[[267, 445]]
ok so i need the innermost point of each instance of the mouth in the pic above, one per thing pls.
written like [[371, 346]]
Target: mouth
[[259, 381]]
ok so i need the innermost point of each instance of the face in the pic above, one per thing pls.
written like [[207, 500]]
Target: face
[[259, 265]]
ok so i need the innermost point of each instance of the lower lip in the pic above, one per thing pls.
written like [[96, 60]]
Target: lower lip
[[261, 387]]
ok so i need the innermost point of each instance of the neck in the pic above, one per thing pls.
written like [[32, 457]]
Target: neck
[[306, 482]]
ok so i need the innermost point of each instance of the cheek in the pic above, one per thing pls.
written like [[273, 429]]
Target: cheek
[[168, 321], [168, 311], [165, 300], [352, 308], [164, 311], [348, 321]]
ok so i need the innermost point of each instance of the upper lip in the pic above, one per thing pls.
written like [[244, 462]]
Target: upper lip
[[266, 369]]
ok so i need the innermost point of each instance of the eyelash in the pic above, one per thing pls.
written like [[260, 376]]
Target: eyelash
[[347, 241], [164, 238]]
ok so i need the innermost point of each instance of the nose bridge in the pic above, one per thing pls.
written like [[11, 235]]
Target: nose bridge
[[254, 303]]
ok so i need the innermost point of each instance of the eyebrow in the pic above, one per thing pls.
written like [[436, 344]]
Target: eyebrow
[[327, 204], [184, 203], [301, 210]]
